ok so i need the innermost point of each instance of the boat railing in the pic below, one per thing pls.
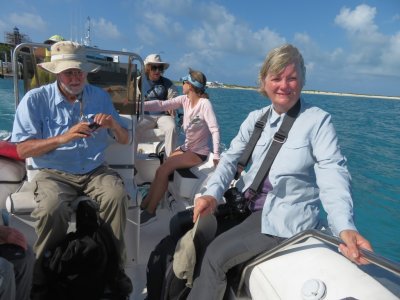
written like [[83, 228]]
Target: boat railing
[[133, 60], [372, 257]]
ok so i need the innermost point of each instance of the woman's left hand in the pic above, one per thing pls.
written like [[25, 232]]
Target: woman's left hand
[[353, 241]]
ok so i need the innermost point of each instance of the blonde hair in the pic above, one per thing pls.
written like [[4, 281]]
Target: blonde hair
[[277, 60]]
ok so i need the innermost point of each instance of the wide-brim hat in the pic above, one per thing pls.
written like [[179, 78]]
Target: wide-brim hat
[[194, 241], [68, 55], [155, 59]]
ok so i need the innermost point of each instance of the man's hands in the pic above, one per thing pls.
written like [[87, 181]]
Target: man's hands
[[85, 129], [37, 147], [353, 241]]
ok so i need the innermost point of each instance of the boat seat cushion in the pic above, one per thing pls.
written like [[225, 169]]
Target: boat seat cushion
[[284, 276], [12, 174], [23, 202], [153, 135]]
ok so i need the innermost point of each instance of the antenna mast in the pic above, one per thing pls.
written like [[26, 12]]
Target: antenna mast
[[86, 40]]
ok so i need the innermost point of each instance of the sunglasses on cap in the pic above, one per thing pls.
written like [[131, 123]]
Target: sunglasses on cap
[[157, 67]]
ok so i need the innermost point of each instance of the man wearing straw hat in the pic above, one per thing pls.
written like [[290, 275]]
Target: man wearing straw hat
[[53, 126], [157, 87]]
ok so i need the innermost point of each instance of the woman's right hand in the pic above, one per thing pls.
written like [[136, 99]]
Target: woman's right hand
[[204, 205]]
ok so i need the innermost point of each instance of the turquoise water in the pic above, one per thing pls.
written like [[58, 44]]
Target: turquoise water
[[369, 133], [7, 106]]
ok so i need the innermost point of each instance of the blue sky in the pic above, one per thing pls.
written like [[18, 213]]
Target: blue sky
[[348, 46]]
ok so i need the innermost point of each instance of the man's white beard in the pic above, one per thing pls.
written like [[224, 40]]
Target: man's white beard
[[71, 91]]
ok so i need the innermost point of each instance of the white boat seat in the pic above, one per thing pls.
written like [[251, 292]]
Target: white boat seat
[[187, 183], [23, 203], [152, 135], [284, 275], [13, 173]]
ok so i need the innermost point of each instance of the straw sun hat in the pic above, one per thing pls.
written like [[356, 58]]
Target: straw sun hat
[[155, 59], [68, 55]]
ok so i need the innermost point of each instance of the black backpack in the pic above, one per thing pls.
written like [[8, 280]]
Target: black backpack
[[87, 261], [159, 273], [162, 283]]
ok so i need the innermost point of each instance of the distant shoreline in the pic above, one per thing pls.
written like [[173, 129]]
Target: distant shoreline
[[323, 93], [351, 95]]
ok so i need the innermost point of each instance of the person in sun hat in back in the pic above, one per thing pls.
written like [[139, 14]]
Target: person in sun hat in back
[[54, 39], [157, 87], [42, 77], [52, 125]]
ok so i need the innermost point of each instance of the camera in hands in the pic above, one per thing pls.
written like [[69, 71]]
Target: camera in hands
[[93, 126], [236, 201]]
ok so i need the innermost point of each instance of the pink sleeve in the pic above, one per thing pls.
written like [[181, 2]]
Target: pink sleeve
[[211, 120], [163, 105]]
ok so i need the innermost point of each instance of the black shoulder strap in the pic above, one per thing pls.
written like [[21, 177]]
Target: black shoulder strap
[[245, 157], [278, 140]]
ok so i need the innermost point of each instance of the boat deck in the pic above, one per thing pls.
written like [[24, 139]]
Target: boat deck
[[150, 236]]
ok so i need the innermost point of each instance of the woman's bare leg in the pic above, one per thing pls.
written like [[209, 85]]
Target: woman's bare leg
[[177, 160]]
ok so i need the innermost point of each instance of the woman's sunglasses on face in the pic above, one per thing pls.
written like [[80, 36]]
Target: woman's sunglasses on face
[[157, 67]]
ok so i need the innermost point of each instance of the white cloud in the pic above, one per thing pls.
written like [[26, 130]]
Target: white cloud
[[361, 19], [371, 51], [28, 21], [146, 35], [391, 55], [105, 29], [225, 33], [208, 26]]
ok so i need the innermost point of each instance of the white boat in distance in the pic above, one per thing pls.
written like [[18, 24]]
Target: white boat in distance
[[306, 266]]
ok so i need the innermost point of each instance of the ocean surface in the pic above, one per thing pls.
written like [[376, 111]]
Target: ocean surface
[[369, 134]]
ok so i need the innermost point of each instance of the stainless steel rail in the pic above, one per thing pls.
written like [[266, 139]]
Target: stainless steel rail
[[373, 258]]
